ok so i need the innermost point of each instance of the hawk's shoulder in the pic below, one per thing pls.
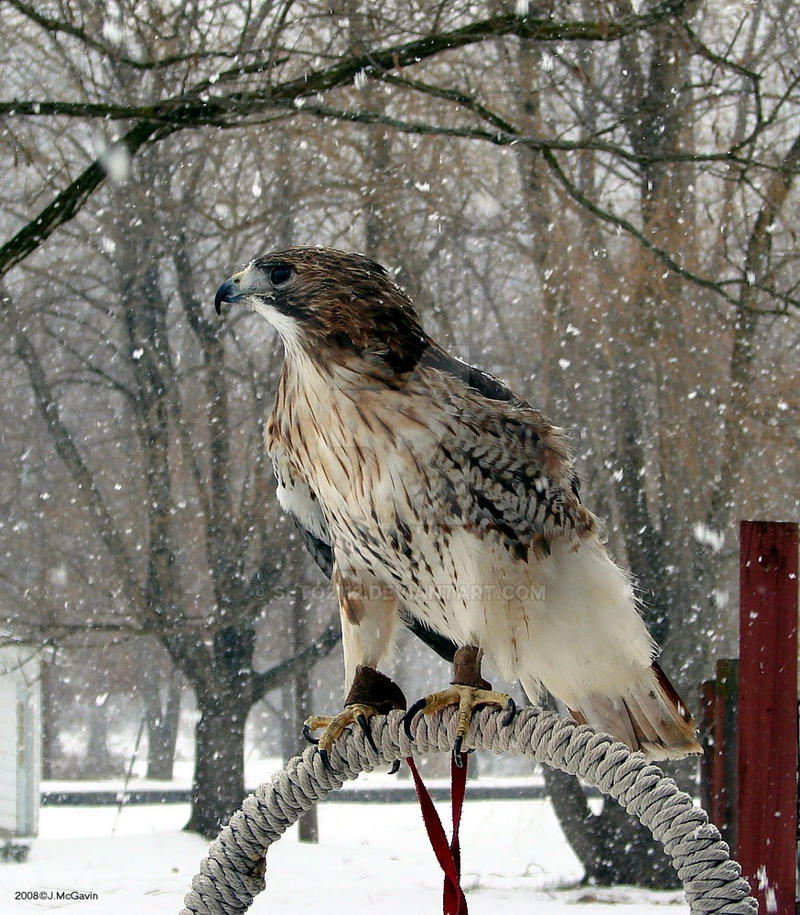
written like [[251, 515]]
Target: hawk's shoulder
[[505, 467]]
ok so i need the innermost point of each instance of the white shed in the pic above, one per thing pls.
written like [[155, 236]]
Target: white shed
[[20, 742]]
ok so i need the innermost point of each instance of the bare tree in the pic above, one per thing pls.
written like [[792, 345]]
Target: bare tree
[[177, 403]]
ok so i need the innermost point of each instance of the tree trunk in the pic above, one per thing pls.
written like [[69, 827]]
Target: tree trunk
[[162, 727], [611, 845], [308, 824], [218, 784], [50, 747], [643, 542], [98, 760]]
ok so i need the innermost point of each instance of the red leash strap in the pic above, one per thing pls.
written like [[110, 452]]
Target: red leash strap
[[447, 854]]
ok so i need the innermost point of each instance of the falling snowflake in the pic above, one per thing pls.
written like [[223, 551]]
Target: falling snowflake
[[116, 162], [708, 536]]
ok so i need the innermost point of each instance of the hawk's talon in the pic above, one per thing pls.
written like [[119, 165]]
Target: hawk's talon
[[326, 763], [511, 710], [362, 721], [395, 767], [467, 698], [409, 716], [333, 727]]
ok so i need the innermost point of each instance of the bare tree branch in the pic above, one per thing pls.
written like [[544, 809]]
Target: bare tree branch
[[190, 110], [546, 146], [67, 203], [63, 27], [69, 454], [743, 351], [191, 652], [319, 648], [508, 135]]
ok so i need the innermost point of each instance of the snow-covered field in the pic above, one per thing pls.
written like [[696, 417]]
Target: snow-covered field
[[372, 859]]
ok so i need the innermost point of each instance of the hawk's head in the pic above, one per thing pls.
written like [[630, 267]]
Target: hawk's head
[[326, 302]]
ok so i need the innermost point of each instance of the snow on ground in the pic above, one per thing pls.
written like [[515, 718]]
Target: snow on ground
[[372, 859]]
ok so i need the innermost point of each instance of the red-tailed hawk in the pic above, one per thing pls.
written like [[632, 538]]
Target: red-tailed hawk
[[434, 496]]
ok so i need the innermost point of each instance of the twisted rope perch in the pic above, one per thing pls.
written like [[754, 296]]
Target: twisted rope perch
[[233, 872]]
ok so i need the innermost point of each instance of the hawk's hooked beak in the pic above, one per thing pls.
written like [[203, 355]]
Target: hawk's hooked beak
[[229, 292]]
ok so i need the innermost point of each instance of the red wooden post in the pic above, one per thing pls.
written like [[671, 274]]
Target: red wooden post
[[767, 833]]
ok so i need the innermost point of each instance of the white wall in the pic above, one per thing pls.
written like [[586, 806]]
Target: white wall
[[20, 745], [8, 752]]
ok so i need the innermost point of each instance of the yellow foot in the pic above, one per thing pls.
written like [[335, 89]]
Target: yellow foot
[[371, 693], [357, 713], [467, 698]]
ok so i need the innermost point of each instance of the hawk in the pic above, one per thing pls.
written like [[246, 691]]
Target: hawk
[[435, 497]]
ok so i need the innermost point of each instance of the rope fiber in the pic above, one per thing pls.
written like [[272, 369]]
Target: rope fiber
[[233, 872]]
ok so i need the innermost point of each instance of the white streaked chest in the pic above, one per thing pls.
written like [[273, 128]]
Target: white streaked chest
[[357, 444], [364, 459]]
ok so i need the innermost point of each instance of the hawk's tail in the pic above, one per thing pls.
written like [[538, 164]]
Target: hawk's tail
[[650, 716]]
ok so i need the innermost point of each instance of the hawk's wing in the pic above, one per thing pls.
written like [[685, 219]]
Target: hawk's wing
[[299, 501], [502, 467]]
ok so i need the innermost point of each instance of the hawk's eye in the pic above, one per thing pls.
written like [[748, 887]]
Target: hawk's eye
[[279, 275]]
